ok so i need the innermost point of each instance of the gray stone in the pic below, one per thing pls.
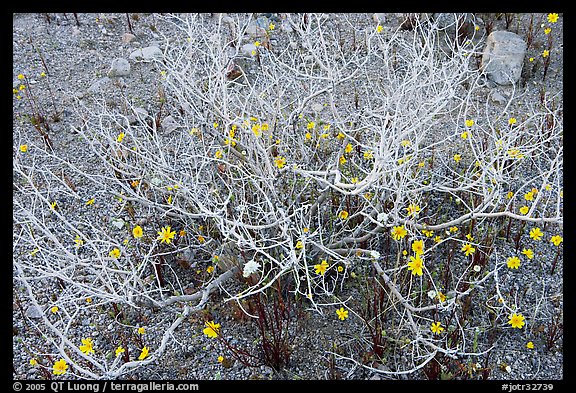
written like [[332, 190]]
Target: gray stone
[[255, 31], [286, 27], [119, 67], [497, 98], [118, 223], [169, 124], [379, 18], [148, 53], [247, 49], [100, 85], [317, 107], [127, 38], [33, 312], [139, 114], [503, 57]]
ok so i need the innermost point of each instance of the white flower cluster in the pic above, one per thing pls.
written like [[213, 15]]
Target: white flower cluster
[[250, 267]]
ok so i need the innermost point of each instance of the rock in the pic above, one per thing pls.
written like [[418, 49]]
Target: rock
[[497, 98], [127, 38], [119, 67], [139, 115], [255, 31], [379, 18], [247, 49], [118, 223], [228, 19], [148, 53], [317, 107], [503, 57], [169, 124], [286, 27], [33, 312], [99, 86]]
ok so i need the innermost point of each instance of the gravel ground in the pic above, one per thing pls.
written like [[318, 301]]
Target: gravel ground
[[78, 59]]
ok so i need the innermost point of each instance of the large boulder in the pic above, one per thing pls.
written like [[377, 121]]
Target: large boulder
[[503, 57]]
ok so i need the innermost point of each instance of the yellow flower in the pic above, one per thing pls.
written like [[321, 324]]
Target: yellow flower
[[326, 127], [54, 205], [310, 125], [211, 329], [379, 29], [308, 136], [529, 196], [33, 362], [340, 135], [348, 148], [20, 76], [464, 135], [78, 240], [354, 180], [264, 127], [524, 210], [553, 18], [476, 27], [220, 359], [137, 231], [547, 30], [340, 269], [427, 233], [513, 262], [469, 123], [531, 59], [257, 44], [436, 328], [368, 155], [88, 300], [546, 53], [412, 209], [536, 233], [512, 121], [215, 125], [398, 232], [418, 247], [280, 162], [530, 345], [210, 269], [305, 230], [89, 202], [299, 245], [54, 309], [441, 297], [144, 353], [405, 143], [509, 195], [141, 330], [457, 157], [528, 252], [415, 265], [114, 253], [437, 239], [343, 214], [453, 229], [23, 148], [342, 160], [120, 137], [469, 237], [119, 350], [342, 313], [468, 249], [59, 367], [218, 155], [421, 164], [368, 195], [87, 345], [166, 235], [517, 321], [321, 267], [271, 26], [556, 240]]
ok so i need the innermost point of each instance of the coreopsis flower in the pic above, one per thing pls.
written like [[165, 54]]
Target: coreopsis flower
[[119, 350], [528, 252], [340, 136], [144, 353], [556, 240], [342, 313], [308, 136], [509, 195], [468, 249], [368, 155], [437, 239], [469, 123], [33, 362], [271, 26], [310, 125], [250, 267], [516, 320], [524, 210], [219, 154], [299, 245], [89, 202], [379, 29], [212, 329], [418, 247], [464, 135], [415, 265], [342, 160], [348, 148], [280, 161], [60, 367], [405, 143], [166, 235], [547, 30], [321, 267], [343, 215], [137, 231], [529, 196], [530, 345], [78, 240], [114, 253], [141, 330], [553, 18], [210, 269], [427, 232], [54, 309], [436, 328], [545, 53], [120, 137], [536, 233], [512, 121], [513, 262], [453, 229], [340, 269], [398, 232], [457, 157], [201, 239], [87, 345], [412, 209], [23, 148]]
